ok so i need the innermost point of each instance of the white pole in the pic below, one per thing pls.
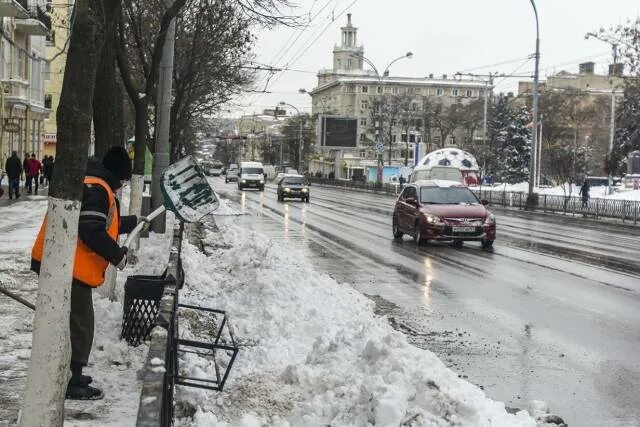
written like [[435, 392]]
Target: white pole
[[163, 122]]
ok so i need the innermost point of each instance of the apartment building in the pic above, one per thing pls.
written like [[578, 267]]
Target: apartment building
[[24, 26], [351, 91]]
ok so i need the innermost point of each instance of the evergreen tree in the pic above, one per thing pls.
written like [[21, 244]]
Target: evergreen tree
[[496, 128], [627, 136], [513, 145]]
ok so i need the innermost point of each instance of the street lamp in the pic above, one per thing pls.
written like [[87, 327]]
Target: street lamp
[[299, 164], [534, 145], [322, 100], [380, 77], [614, 47]]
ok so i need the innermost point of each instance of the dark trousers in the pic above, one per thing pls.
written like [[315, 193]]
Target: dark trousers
[[81, 324], [30, 181], [14, 186]]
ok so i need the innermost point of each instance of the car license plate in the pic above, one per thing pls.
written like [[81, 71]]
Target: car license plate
[[463, 229]]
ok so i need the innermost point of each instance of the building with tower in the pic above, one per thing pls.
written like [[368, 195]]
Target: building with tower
[[397, 112]]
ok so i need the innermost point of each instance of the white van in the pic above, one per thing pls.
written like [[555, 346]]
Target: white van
[[251, 174], [444, 173]]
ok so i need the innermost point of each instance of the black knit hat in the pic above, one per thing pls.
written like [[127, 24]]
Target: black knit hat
[[118, 162]]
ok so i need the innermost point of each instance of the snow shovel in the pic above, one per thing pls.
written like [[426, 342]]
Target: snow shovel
[[186, 193]]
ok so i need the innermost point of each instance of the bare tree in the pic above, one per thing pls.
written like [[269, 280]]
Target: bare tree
[[50, 354]]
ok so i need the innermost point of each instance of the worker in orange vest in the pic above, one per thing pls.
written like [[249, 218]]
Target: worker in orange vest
[[98, 228]]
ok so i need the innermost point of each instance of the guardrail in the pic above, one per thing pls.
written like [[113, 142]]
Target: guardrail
[[625, 210]]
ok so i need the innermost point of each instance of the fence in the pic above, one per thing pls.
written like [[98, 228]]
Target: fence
[[625, 210], [161, 372]]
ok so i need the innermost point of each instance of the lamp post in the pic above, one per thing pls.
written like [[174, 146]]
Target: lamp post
[[536, 94], [385, 73], [322, 100], [612, 124], [299, 163]]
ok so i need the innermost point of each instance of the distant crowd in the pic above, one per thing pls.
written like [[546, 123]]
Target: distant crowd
[[30, 170]]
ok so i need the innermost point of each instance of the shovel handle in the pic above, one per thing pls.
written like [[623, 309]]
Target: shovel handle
[[16, 297], [140, 226]]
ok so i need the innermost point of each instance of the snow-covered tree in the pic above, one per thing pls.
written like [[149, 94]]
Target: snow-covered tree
[[515, 152], [627, 137], [499, 118]]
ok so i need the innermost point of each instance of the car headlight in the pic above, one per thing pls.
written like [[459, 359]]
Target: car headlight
[[261, 182], [244, 181], [287, 190], [490, 220], [304, 190], [432, 219]]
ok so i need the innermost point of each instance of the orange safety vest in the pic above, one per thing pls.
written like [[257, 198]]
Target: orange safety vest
[[88, 267]]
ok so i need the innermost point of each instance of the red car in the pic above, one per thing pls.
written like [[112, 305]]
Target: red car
[[443, 210]]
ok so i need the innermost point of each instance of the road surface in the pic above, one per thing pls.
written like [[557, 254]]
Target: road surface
[[551, 313]]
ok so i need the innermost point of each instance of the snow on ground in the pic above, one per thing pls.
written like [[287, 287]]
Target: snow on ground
[[594, 192], [312, 350], [114, 365]]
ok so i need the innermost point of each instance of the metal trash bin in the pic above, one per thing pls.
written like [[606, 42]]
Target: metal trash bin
[[142, 295]]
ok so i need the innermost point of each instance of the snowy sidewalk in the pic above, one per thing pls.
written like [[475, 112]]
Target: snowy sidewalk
[[113, 364], [312, 351]]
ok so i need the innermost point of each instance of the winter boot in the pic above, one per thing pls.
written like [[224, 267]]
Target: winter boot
[[83, 392]]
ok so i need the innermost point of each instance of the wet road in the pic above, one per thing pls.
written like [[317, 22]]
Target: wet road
[[551, 313]]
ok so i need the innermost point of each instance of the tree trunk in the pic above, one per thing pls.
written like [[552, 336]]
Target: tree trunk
[[140, 153], [107, 98], [49, 366]]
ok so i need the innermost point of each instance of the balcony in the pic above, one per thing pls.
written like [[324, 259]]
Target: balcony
[[16, 91], [14, 9], [37, 24]]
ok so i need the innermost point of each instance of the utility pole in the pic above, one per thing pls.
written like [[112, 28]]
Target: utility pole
[[161, 155], [536, 94], [487, 94]]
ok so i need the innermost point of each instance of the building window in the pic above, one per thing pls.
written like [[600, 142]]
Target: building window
[[339, 64], [417, 90], [469, 93], [363, 122], [439, 92], [365, 89], [454, 92], [364, 105], [363, 154], [403, 137], [436, 139], [379, 90], [418, 139], [395, 90], [417, 123], [47, 101], [414, 106], [394, 138], [393, 122], [452, 140], [387, 89], [363, 137], [349, 63]]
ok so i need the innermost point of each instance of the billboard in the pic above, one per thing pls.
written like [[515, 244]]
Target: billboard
[[338, 132]]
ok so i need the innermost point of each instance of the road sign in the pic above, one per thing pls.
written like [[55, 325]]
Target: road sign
[[11, 127], [379, 147]]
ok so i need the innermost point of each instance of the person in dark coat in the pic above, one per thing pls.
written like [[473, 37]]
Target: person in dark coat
[[47, 169], [584, 192], [99, 207], [13, 169]]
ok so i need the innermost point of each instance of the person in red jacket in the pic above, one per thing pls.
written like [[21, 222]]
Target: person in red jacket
[[34, 167]]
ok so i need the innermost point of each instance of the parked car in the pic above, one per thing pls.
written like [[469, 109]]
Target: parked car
[[293, 186], [251, 174], [232, 175], [443, 210]]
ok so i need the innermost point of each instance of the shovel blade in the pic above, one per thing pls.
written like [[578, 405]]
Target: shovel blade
[[187, 192]]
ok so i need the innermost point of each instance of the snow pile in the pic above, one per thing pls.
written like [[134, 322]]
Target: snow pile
[[599, 192], [313, 352]]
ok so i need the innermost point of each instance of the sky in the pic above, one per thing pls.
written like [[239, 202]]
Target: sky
[[445, 37]]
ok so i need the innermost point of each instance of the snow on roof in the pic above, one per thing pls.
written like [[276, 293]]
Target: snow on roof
[[450, 157], [438, 183]]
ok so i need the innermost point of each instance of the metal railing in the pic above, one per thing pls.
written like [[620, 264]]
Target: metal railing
[[625, 210]]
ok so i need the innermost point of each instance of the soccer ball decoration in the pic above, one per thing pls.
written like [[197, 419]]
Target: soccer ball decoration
[[450, 157]]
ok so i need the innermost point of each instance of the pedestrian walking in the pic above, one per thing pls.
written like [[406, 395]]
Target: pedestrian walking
[[32, 172], [47, 169], [584, 192], [13, 167], [98, 228]]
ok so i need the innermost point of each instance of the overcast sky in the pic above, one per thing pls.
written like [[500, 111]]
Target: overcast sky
[[444, 36]]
